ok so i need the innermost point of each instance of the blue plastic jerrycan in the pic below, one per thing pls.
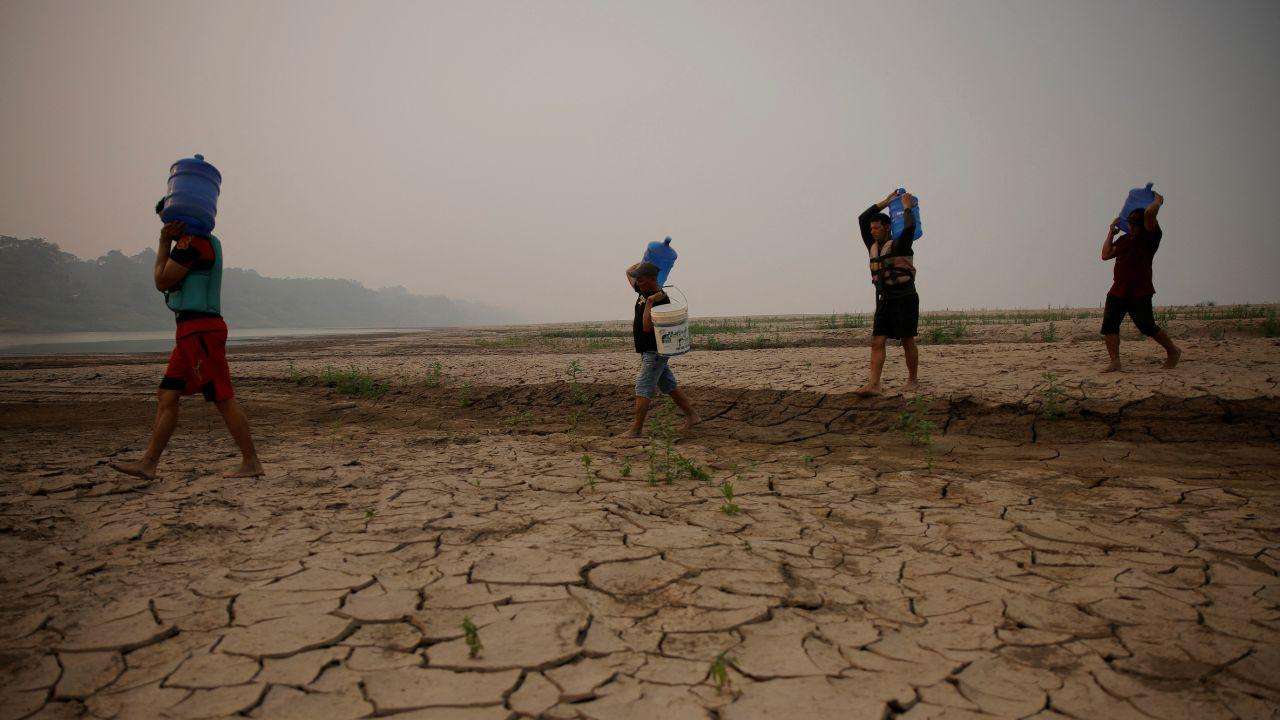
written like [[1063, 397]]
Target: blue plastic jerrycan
[[1138, 198], [193, 195], [662, 255], [896, 220]]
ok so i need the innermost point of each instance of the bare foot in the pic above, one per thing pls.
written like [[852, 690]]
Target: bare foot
[[1111, 367], [911, 386], [136, 469], [868, 390], [1172, 361], [246, 469], [689, 422]]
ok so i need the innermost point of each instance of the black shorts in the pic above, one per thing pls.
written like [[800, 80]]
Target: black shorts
[[1137, 308], [897, 317]]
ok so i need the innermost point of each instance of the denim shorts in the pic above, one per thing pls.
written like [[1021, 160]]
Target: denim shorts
[[654, 375]]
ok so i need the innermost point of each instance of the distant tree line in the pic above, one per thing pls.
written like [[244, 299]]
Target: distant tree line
[[44, 288]]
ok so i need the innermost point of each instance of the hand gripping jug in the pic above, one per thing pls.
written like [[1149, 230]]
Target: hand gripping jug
[[193, 195], [662, 255], [896, 220], [1138, 198]]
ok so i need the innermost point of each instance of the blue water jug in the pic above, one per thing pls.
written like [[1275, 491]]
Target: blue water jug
[[662, 255], [896, 220], [1138, 198], [193, 195]]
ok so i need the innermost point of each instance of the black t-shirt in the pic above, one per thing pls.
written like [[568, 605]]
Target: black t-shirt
[[1134, 251], [901, 245], [645, 341]]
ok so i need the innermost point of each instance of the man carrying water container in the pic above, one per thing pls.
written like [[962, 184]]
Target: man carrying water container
[[893, 274], [654, 374], [1131, 287], [189, 271]]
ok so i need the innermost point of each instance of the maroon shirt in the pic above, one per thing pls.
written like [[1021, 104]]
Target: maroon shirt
[[1134, 252]]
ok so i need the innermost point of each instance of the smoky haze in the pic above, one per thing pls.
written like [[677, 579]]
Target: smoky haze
[[522, 154]]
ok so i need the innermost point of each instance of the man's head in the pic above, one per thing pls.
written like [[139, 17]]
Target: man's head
[[879, 227], [1136, 219], [645, 276]]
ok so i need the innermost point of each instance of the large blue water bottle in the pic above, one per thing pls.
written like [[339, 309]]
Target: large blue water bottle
[[662, 255], [1138, 198], [193, 195], [896, 220]]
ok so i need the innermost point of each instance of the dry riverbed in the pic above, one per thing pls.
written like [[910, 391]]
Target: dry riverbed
[[1027, 538]]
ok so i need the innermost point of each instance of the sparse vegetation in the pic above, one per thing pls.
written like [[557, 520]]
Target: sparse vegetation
[[577, 395], [435, 375], [1050, 333], [626, 469], [586, 470], [472, 636], [354, 381], [464, 395], [1270, 326], [1051, 397], [914, 424], [720, 671], [729, 507]]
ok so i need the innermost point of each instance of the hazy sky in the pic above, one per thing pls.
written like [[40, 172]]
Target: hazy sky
[[522, 154]]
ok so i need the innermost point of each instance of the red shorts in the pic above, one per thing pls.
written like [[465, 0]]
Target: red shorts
[[198, 362]]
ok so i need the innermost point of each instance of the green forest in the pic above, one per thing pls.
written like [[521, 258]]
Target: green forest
[[43, 288]]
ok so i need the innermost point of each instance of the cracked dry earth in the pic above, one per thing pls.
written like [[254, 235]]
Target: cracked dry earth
[[1117, 562]]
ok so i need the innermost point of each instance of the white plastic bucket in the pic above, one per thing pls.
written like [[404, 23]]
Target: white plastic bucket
[[671, 324]]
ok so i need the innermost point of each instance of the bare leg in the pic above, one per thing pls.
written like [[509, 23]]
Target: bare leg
[[877, 367], [691, 417], [166, 421], [238, 425], [1173, 352], [912, 354], [1113, 351], [642, 411]]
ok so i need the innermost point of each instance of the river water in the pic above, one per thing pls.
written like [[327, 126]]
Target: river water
[[93, 343]]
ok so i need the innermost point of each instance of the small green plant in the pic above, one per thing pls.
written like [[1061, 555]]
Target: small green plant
[[729, 507], [1050, 333], [369, 513], [714, 343], [685, 466], [435, 375], [626, 469], [1217, 332], [586, 470], [914, 424], [577, 395], [1051, 397], [297, 377], [662, 443], [472, 635], [720, 671], [464, 395], [809, 459]]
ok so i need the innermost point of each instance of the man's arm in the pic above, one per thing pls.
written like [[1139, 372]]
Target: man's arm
[[647, 322], [167, 273], [1108, 246], [903, 242], [631, 279], [1149, 216], [864, 220]]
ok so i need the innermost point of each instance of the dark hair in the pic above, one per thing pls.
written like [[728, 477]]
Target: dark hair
[[645, 269], [881, 218], [1137, 214]]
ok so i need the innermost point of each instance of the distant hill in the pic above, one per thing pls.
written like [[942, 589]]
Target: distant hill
[[44, 288]]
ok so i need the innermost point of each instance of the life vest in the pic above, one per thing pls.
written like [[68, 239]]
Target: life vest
[[889, 268], [200, 290]]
